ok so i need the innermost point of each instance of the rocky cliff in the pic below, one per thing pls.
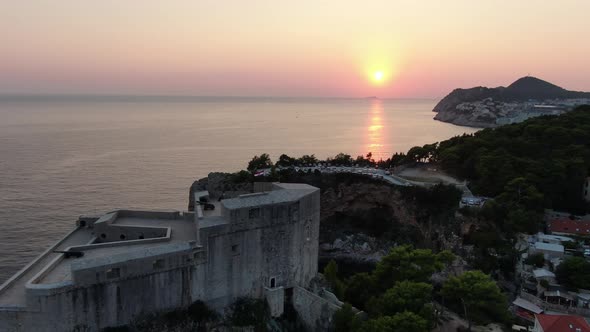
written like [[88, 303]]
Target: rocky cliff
[[361, 218], [490, 107]]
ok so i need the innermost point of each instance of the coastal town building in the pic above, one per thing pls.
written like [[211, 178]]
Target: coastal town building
[[563, 223], [560, 323], [112, 268], [549, 250], [568, 226], [526, 309], [553, 239]]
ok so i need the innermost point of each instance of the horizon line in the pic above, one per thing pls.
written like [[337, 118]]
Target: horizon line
[[40, 96]]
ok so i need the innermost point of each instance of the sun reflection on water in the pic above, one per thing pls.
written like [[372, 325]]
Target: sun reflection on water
[[376, 134]]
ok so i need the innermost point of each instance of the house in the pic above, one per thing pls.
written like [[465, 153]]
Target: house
[[560, 323], [544, 274], [569, 226], [558, 296], [553, 239], [549, 250], [526, 309], [583, 300]]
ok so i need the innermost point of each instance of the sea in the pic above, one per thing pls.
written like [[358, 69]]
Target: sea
[[61, 157]]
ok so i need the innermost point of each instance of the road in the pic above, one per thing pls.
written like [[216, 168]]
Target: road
[[376, 173]]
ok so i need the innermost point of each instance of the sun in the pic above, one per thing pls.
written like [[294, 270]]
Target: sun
[[378, 76]]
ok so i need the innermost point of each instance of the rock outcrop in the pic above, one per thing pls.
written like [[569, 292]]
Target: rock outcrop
[[360, 219], [490, 107], [219, 185]]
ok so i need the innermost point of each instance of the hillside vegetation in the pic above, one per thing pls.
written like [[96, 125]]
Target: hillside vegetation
[[550, 154]]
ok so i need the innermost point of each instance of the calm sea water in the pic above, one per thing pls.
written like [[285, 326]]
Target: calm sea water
[[63, 158]]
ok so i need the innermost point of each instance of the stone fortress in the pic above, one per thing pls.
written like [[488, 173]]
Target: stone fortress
[[112, 268]]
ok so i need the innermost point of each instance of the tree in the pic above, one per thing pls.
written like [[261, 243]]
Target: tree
[[331, 272], [250, 312], [406, 296], [359, 289], [307, 160], [406, 263], [342, 159], [285, 161], [397, 159], [344, 319], [477, 296], [331, 275], [537, 260], [572, 245], [400, 322], [551, 153], [574, 273], [520, 207], [260, 162], [417, 154]]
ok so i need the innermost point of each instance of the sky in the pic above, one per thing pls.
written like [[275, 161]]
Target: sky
[[340, 48]]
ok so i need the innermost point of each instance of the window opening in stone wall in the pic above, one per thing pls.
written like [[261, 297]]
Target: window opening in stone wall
[[122, 237], [103, 236], [234, 248], [113, 273], [254, 213], [273, 282]]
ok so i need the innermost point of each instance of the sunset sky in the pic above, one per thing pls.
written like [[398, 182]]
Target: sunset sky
[[389, 48]]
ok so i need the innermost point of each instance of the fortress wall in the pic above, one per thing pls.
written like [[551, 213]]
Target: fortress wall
[[280, 243], [131, 265], [173, 215], [275, 297], [29, 266], [116, 232], [315, 311], [253, 255], [11, 320], [110, 304]]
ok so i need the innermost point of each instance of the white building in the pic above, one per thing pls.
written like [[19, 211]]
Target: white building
[[553, 239], [549, 250]]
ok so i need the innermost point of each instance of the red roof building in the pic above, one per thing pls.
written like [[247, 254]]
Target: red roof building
[[560, 323], [568, 226]]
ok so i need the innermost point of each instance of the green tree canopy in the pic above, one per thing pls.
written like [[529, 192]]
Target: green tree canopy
[[285, 161], [551, 153], [406, 295], [345, 320], [341, 159], [400, 322], [574, 273], [307, 160], [260, 162], [537, 260], [476, 296], [406, 263]]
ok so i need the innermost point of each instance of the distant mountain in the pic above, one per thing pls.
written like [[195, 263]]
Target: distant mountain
[[490, 107]]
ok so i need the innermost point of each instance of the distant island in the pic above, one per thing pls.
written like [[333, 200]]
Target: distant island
[[527, 97]]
